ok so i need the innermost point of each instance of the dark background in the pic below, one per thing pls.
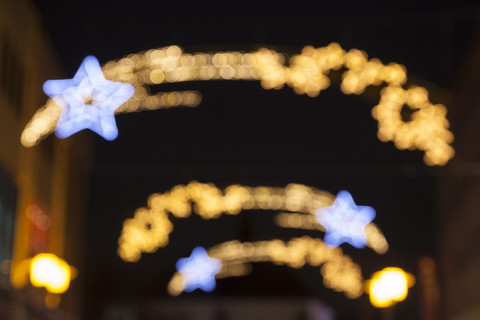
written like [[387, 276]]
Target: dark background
[[243, 134]]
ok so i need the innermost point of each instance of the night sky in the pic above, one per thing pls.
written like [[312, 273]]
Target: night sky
[[244, 134]]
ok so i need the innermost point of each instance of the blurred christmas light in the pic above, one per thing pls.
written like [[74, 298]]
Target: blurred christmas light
[[150, 227], [375, 239], [51, 272], [338, 270], [427, 128], [307, 73], [344, 221], [199, 270], [389, 286], [88, 100]]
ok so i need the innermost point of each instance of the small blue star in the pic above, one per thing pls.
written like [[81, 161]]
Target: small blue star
[[88, 100], [199, 270], [344, 221]]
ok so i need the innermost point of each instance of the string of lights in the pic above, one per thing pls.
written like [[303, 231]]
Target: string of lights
[[375, 238], [150, 227], [306, 73], [338, 270]]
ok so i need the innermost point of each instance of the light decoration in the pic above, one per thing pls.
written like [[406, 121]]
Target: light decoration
[[198, 271], [49, 271], [88, 100], [427, 129], [389, 286], [375, 238], [338, 270], [150, 227], [307, 73], [345, 221]]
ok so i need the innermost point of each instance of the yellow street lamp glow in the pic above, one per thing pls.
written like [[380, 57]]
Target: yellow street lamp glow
[[51, 272], [388, 286]]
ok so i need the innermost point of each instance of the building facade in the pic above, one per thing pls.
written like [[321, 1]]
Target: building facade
[[41, 188], [459, 200]]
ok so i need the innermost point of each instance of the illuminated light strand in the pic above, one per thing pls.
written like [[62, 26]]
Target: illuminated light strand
[[42, 124], [375, 238], [306, 73], [142, 102], [234, 269], [427, 130], [338, 270], [150, 227], [46, 118]]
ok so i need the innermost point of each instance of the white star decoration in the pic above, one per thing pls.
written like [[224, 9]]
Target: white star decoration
[[344, 221], [88, 100], [199, 270]]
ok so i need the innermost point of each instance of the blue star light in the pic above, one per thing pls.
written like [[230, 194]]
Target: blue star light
[[199, 270], [344, 221], [88, 100]]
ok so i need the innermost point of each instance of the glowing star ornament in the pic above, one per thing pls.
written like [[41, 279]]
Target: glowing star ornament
[[199, 270], [344, 221], [88, 100]]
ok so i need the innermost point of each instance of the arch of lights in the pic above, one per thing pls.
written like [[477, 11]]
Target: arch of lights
[[307, 73], [295, 207]]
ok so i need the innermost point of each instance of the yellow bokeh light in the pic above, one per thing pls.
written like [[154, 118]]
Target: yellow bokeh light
[[355, 59], [157, 76], [19, 273], [51, 272], [389, 286]]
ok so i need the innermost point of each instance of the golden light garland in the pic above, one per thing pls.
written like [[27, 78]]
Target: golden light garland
[[375, 238], [45, 119], [150, 227], [426, 131], [338, 270], [306, 73]]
